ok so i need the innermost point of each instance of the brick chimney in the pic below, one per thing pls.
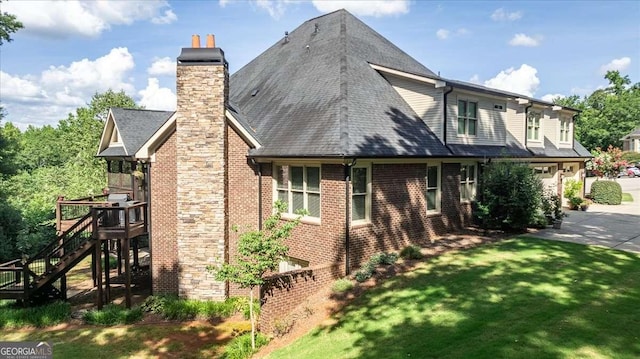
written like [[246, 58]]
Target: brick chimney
[[202, 90]]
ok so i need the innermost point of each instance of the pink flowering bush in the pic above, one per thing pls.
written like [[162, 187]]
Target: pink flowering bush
[[606, 163]]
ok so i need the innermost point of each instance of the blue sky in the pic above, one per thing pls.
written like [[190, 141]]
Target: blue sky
[[69, 50]]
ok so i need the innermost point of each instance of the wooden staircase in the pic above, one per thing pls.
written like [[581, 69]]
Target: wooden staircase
[[42, 277]]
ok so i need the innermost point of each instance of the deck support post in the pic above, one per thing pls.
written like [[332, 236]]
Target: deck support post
[[127, 273], [107, 280], [98, 274]]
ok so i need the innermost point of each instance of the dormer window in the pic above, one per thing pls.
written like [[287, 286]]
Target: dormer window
[[467, 118], [564, 129], [533, 126]]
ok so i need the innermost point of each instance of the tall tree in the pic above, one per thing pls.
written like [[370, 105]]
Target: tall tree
[[8, 25], [607, 114]]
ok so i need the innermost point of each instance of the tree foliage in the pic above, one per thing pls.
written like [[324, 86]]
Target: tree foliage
[[606, 163], [44, 162], [8, 25], [509, 196], [607, 114], [259, 251]]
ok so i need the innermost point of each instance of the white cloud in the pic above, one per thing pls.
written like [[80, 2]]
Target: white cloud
[[620, 64], [168, 17], [48, 97], [162, 67], [550, 97], [524, 40], [154, 97], [275, 8], [223, 3], [85, 18], [442, 34], [375, 8], [502, 15], [475, 79], [522, 81]]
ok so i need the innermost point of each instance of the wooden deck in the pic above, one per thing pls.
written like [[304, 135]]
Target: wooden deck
[[85, 226]]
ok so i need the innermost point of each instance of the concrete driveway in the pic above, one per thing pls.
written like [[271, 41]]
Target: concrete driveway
[[615, 227]]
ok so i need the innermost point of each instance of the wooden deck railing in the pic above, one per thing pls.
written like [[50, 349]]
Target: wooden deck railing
[[120, 221], [68, 212]]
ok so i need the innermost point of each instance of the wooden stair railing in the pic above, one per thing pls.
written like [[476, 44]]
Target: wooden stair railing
[[23, 278]]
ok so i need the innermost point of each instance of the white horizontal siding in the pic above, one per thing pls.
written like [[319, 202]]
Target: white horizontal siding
[[491, 127], [423, 98], [516, 124]]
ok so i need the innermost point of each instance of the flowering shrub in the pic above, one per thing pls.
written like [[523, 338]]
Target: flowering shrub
[[606, 163]]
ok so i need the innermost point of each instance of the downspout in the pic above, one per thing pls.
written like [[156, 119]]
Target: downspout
[[259, 196], [444, 112], [347, 222]]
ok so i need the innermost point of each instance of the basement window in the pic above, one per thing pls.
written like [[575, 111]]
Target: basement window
[[290, 264]]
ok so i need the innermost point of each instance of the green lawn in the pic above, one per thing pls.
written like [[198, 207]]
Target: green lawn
[[521, 298], [170, 340]]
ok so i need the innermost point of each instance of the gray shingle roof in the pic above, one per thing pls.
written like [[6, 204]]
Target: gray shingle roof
[[550, 150], [317, 95], [135, 128], [489, 151]]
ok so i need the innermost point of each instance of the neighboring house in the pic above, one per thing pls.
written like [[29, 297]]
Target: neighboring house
[[631, 142], [333, 118]]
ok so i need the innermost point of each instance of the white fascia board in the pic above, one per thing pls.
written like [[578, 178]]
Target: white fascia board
[[408, 75], [242, 131], [556, 108], [522, 101]]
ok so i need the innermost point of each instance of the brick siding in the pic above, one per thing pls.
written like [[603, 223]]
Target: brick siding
[[164, 248], [282, 293]]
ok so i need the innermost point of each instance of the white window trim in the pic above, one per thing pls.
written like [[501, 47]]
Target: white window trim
[[290, 215], [540, 133], [568, 129], [548, 174], [475, 182], [477, 118], [367, 218], [438, 188]]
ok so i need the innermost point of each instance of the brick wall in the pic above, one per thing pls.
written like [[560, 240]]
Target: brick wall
[[398, 215], [202, 90], [282, 293], [243, 196], [164, 249]]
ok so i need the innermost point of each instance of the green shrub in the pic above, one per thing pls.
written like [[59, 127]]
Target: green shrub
[[606, 192], [15, 316], [362, 275], [411, 252], [540, 221], [383, 258], [240, 347], [509, 196], [113, 262], [572, 188], [174, 308], [342, 285], [154, 304], [113, 315]]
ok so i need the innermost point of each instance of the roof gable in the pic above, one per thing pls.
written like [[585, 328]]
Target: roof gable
[[132, 128], [315, 94]]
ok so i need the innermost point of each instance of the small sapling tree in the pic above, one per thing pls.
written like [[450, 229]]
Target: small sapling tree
[[259, 251]]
